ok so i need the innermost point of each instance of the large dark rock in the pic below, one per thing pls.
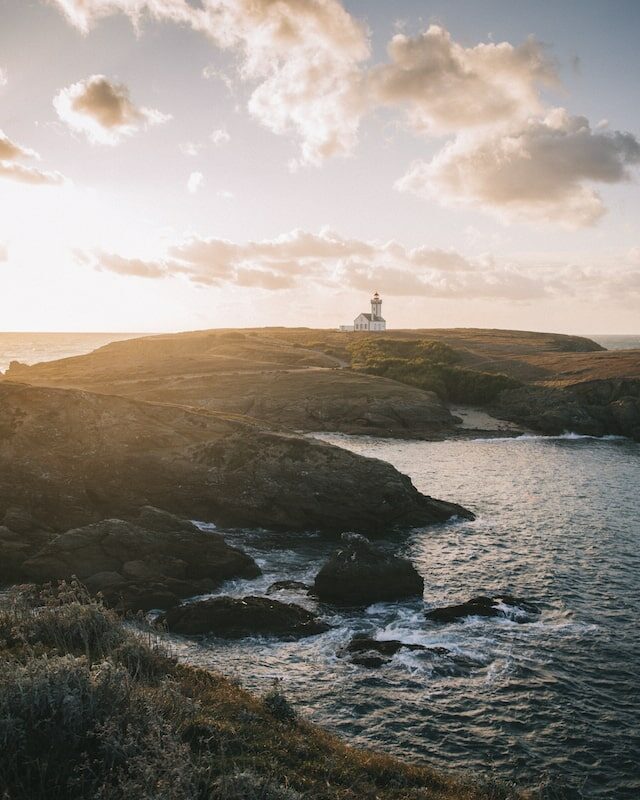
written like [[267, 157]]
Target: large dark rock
[[483, 606], [149, 563], [360, 574], [235, 617], [73, 458]]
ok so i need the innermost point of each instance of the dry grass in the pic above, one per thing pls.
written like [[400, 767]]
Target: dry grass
[[90, 710]]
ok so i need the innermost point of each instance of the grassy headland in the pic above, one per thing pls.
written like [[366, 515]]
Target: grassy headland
[[394, 384]]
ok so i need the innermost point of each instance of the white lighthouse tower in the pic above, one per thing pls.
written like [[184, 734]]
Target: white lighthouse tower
[[376, 307]]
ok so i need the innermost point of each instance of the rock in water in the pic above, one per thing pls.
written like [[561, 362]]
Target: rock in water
[[235, 617], [73, 458], [359, 574], [498, 606], [366, 651], [287, 585], [149, 563]]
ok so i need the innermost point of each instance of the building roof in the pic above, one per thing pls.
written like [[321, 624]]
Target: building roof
[[371, 317]]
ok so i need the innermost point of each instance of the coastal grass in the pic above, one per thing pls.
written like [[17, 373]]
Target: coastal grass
[[93, 707]]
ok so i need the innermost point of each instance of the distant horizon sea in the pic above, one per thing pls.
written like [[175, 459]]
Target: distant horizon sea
[[32, 348]]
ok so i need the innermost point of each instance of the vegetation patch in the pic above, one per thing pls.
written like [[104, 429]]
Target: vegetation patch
[[428, 365]]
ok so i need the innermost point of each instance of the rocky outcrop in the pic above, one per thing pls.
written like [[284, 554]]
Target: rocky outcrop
[[236, 617], [369, 652], [151, 563], [504, 605], [594, 408], [73, 458], [360, 574]]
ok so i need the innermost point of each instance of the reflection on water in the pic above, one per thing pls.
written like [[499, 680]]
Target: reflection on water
[[552, 701]]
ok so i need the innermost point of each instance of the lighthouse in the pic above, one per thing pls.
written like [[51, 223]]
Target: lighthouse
[[369, 322]]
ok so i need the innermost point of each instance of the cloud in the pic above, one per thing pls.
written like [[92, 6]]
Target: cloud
[[195, 182], [4, 251], [447, 87], [127, 266], [304, 260], [103, 110], [10, 168], [220, 136], [304, 57], [3, 77], [85, 13], [539, 171]]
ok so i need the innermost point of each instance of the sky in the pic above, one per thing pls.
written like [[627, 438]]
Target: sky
[[187, 164]]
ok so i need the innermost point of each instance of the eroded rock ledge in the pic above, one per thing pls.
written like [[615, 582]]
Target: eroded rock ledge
[[73, 458]]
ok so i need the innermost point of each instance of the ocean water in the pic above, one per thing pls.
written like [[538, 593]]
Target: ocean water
[[618, 342], [31, 348], [553, 704]]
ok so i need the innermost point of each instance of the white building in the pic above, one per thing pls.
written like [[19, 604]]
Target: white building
[[369, 322]]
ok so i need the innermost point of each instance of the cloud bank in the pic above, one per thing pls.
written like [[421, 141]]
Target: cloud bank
[[307, 63], [301, 259], [103, 111], [304, 56], [10, 167]]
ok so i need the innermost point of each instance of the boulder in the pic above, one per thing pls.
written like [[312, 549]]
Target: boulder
[[359, 574], [148, 563], [290, 586], [235, 617], [503, 605]]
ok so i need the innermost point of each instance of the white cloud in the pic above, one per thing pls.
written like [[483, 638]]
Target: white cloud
[[195, 182], [304, 260], [3, 77], [220, 136], [10, 167], [224, 194], [446, 87], [539, 171], [4, 251], [103, 111]]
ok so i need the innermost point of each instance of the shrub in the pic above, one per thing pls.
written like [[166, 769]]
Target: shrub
[[278, 706], [429, 366], [71, 731]]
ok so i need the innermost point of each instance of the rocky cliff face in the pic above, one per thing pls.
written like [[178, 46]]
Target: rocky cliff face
[[73, 458]]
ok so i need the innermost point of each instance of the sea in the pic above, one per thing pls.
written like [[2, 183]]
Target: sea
[[553, 703], [32, 348]]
